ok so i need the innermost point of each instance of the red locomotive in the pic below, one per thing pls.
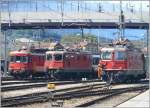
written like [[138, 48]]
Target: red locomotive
[[121, 62], [26, 62], [69, 64], [58, 64]]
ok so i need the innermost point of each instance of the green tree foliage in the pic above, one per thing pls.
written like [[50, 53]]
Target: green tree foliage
[[78, 38]]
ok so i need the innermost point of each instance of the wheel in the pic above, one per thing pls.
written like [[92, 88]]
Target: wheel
[[51, 74], [110, 78], [118, 78]]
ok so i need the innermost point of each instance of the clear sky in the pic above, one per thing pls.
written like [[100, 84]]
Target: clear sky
[[75, 5]]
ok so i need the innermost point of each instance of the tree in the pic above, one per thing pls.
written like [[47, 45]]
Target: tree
[[78, 38]]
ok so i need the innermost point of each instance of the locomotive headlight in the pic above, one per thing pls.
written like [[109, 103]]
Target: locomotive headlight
[[10, 69], [120, 67]]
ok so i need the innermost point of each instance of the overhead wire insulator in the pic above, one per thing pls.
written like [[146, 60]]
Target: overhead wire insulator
[[100, 8], [122, 19]]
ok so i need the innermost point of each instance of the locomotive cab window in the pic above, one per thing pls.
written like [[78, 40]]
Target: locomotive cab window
[[24, 59], [19, 59], [106, 55], [120, 55], [49, 57], [58, 57], [95, 61]]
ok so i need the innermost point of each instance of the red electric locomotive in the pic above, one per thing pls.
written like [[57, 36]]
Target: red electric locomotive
[[26, 62], [69, 65], [121, 62]]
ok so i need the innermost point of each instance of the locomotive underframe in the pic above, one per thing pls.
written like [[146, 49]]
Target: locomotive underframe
[[123, 75], [26, 73], [20, 73], [70, 74]]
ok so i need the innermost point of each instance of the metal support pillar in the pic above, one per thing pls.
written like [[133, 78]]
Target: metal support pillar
[[141, 11], [78, 6], [82, 32], [0, 34], [62, 12], [148, 44], [5, 54], [121, 22], [98, 41]]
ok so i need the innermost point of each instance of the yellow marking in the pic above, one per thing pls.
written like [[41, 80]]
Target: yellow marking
[[51, 86]]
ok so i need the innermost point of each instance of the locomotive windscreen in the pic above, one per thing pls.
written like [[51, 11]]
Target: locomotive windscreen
[[19, 59], [105, 55], [49, 57], [120, 55], [58, 57]]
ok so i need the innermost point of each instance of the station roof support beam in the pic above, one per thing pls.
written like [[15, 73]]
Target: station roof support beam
[[72, 25]]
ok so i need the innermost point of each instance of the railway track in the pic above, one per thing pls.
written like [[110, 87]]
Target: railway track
[[11, 82], [7, 78], [111, 94], [45, 96], [14, 82], [22, 86], [63, 94], [35, 84]]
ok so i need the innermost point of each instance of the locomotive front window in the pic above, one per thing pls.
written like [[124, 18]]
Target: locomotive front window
[[18, 58], [95, 61], [58, 57], [21, 59], [120, 55], [106, 55], [24, 59], [49, 57]]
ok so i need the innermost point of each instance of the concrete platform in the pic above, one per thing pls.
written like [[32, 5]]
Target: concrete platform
[[141, 101]]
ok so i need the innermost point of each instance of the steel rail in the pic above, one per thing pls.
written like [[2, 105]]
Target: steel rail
[[60, 93], [45, 97], [42, 84], [111, 94]]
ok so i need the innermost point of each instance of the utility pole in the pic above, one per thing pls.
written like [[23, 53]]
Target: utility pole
[[5, 53], [98, 41], [121, 22], [148, 45], [62, 12], [82, 34], [78, 6], [141, 9], [5, 42]]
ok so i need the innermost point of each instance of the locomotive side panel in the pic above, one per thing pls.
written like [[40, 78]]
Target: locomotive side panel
[[38, 63], [71, 65], [135, 64], [77, 63]]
